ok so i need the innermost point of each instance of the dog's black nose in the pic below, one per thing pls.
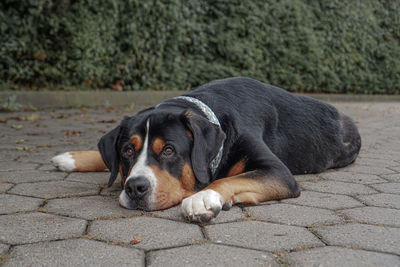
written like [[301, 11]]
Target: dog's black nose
[[137, 187]]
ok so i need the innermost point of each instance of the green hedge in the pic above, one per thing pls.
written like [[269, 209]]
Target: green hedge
[[313, 46]]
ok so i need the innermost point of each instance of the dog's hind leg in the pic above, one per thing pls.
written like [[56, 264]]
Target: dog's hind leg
[[79, 161]]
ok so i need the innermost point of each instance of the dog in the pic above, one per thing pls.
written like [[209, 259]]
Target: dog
[[230, 141]]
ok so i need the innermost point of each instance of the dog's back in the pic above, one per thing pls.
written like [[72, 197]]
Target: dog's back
[[308, 135]]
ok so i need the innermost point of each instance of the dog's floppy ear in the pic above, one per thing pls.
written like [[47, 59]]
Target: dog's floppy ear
[[207, 141], [108, 150]]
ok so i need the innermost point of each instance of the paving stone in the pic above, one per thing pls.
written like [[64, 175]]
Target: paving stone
[[392, 177], [370, 237], [89, 177], [337, 256], [31, 176], [353, 177], [381, 200], [210, 255], [75, 252], [4, 187], [89, 207], [16, 166], [175, 213], [293, 215], [307, 178], [393, 188], [4, 248], [34, 227], [366, 169], [324, 200], [262, 235], [376, 162], [114, 190], [155, 233], [336, 187], [374, 215], [12, 203], [55, 189]]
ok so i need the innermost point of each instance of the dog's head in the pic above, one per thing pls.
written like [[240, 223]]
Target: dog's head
[[162, 157]]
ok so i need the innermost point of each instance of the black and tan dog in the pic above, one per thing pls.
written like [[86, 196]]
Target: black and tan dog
[[230, 141]]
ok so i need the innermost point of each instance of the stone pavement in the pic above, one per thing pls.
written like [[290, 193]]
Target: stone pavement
[[344, 217]]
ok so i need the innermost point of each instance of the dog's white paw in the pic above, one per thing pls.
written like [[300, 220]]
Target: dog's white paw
[[64, 162], [202, 206]]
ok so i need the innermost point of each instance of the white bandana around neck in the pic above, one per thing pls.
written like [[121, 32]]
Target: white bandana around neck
[[213, 119]]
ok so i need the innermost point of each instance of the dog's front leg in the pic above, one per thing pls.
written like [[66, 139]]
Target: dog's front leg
[[250, 188]]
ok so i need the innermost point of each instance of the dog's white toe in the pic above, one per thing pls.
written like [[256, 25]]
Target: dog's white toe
[[202, 206], [64, 162]]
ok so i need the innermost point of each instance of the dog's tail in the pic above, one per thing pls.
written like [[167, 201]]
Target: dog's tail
[[79, 161]]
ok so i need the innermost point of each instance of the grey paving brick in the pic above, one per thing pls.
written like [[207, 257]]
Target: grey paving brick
[[16, 166], [376, 162], [114, 190], [4, 187], [34, 227], [336, 187], [4, 248], [370, 237], [210, 255], [55, 189], [175, 213], [324, 200], [392, 177], [154, 233], [381, 200], [89, 177], [366, 169], [337, 256], [90, 208], [262, 235], [293, 214], [374, 215], [75, 252], [353, 177], [307, 178], [12, 203], [31, 176], [393, 188]]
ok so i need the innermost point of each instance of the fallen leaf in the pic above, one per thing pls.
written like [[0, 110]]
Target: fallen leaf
[[73, 133], [61, 116], [32, 117], [19, 141], [23, 148], [32, 134], [17, 126], [136, 239], [84, 109]]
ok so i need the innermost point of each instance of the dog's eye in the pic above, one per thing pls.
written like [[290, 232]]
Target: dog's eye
[[129, 152], [168, 151]]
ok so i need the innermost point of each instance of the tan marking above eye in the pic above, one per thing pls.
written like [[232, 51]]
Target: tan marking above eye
[[158, 145], [136, 141]]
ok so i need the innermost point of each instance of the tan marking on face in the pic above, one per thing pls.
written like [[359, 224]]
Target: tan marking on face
[[236, 169], [170, 191], [137, 142], [88, 161], [249, 190], [188, 179], [158, 145]]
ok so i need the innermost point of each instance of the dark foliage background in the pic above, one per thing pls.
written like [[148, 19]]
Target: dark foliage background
[[313, 46]]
